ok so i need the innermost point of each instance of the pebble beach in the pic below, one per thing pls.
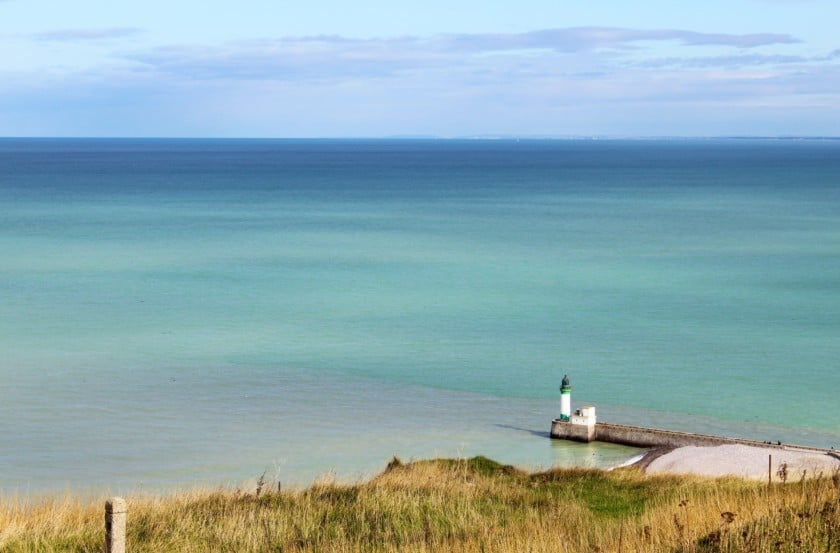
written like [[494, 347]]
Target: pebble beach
[[744, 461]]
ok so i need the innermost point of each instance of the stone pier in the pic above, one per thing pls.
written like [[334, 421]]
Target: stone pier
[[639, 436]]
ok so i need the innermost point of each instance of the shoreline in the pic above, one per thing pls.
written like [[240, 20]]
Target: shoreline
[[717, 461], [780, 464], [679, 452]]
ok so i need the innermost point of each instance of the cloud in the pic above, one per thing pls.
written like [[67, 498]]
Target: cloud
[[583, 80], [74, 35], [336, 57], [735, 61], [729, 62], [287, 60], [577, 39]]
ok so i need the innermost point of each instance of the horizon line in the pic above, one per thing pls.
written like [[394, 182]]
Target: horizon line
[[434, 137]]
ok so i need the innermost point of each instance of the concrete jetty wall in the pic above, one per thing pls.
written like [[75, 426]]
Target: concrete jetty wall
[[647, 437]]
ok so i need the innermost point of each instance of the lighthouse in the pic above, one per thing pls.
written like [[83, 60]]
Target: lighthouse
[[579, 426], [565, 399]]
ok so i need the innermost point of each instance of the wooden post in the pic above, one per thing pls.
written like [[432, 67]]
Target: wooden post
[[115, 512], [769, 469]]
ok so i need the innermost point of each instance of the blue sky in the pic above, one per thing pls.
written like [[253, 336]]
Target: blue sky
[[441, 68]]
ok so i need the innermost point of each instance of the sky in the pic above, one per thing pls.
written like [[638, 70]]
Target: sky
[[453, 68]]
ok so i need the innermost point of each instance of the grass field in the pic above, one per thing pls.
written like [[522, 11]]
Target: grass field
[[471, 505]]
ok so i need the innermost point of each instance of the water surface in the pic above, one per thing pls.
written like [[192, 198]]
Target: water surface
[[180, 311]]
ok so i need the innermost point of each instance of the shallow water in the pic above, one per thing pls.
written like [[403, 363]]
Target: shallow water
[[182, 311]]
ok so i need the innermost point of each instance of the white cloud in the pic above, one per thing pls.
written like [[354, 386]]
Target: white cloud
[[579, 39], [338, 58], [73, 35], [555, 81]]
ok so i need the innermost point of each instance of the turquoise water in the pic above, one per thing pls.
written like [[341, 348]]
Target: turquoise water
[[182, 311]]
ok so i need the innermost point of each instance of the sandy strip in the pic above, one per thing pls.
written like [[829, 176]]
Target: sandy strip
[[742, 460]]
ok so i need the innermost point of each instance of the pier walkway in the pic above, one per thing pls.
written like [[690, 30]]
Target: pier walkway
[[639, 436]]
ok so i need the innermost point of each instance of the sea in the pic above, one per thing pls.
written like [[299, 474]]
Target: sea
[[179, 313]]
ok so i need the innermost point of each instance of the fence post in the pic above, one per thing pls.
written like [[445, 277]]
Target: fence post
[[115, 511], [769, 470]]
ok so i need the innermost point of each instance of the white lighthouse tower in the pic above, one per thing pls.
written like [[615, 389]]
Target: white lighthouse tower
[[565, 399]]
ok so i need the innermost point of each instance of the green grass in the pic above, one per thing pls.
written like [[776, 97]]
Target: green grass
[[466, 505]]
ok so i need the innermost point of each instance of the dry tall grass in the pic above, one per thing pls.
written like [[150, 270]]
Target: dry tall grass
[[462, 506]]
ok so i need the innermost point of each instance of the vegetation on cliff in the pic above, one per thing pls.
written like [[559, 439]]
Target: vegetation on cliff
[[470, 505]]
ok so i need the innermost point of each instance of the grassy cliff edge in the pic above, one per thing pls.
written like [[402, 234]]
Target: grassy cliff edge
[[468, 505]]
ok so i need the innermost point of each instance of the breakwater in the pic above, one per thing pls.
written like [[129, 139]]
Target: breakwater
[[639, 436]]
